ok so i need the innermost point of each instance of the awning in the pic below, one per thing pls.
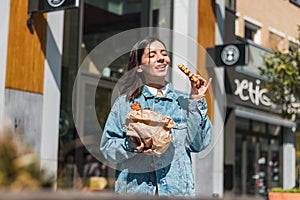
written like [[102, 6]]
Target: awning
[[263, 117]]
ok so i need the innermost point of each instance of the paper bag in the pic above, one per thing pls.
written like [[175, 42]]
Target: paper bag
[[150, 127]]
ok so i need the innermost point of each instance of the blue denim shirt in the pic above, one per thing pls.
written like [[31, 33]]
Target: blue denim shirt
[[170, 174]]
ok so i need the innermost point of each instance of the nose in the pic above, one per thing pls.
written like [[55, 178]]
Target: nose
[[160, 58]]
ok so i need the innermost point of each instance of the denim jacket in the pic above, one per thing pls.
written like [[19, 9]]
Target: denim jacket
[[171, 173]]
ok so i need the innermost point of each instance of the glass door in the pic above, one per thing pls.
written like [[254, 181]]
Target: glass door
[[85, 29], [263, 166], [257, 157]]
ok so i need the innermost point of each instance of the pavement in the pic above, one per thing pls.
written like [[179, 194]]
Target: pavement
[[94, 195], [242, 197]]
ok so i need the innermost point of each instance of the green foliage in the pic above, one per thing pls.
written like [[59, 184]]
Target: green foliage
[[282, 72], [279, 189]]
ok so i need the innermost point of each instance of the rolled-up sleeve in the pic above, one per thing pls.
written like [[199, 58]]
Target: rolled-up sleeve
[[199, 126]]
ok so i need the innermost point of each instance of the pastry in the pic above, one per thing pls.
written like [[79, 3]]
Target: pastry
[[190, 74]]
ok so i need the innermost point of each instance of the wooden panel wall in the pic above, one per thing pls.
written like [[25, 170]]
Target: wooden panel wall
[[206, 38], [26, 49]]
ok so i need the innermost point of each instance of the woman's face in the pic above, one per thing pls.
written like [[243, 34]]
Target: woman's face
[[155, 60]]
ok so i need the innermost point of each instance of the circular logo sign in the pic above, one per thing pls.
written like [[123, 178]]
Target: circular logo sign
[[55, 3], [230, 55]]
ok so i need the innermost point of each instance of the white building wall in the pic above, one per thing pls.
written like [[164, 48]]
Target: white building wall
[[184, 39], [289, 161], [4, 27], [219, 108], [52, 85]]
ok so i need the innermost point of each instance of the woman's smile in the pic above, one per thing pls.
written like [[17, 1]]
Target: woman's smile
[[156, 61]]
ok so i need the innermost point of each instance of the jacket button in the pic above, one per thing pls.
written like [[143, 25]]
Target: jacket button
[[152, 165], [156, 100], [150, 183]]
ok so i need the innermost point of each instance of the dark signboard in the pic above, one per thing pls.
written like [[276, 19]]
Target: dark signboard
[[51, 5], [247, 91], [230, 54]]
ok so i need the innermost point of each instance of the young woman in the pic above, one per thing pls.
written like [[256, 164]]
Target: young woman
[[138, 171]]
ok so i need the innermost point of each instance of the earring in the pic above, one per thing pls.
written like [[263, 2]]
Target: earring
[[139, 69]]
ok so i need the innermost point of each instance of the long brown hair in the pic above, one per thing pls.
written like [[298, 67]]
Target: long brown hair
[[134, 84]]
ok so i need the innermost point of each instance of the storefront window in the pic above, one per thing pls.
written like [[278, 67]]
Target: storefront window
[[274, 129], [242, 123], [85, 28], [103, 19], [238, 164], [297, 136], [257, 154], [259, 127]]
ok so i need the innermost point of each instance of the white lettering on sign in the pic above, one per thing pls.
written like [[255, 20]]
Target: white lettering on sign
[[247, 91]]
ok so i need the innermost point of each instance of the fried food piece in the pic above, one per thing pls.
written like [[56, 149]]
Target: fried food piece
[[136, 106], [190, 74]]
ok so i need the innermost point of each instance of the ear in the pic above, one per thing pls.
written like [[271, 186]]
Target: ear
[[139, 69]]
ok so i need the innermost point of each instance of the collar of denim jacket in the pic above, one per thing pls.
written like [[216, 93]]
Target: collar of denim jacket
[[168, 94]]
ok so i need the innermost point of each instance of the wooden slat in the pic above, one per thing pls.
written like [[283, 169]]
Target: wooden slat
[[206, 38], [26, 49]]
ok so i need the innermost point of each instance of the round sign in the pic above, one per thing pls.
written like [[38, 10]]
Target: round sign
[[230, 55], [55, 3]]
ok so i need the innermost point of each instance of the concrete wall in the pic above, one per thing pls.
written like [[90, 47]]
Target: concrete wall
[[185, 24], [52, 85], [288, 162], [24, 111]]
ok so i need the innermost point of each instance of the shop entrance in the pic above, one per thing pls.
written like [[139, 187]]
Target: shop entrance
[[257, 157], [84, 29]]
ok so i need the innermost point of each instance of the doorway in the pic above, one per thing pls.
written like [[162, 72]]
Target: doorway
[[84, 29], [257, 157]]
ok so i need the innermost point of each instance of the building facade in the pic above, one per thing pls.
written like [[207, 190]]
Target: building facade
[[41, 55], [48, 98], [259, 144]]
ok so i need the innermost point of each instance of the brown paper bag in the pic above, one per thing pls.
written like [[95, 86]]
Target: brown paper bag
[[152, 128]]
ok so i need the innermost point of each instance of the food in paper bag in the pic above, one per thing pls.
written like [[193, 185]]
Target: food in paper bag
[[151, 128]]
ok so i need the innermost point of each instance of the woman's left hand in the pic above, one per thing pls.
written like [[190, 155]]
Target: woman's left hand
[[198, 93]]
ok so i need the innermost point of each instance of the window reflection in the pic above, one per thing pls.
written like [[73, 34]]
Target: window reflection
[[242, 123], [82, 33], [259, 127], [257, 155]]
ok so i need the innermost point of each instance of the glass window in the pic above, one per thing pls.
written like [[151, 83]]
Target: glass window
[[103, 19], [257, 156], [238, 164], [274, 129], [242, 123], [231, 4], [263, 164], [258, 126], [297, 142], [251, 170], [249, 33], [252, 32], [293, 45], [84, 29]]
